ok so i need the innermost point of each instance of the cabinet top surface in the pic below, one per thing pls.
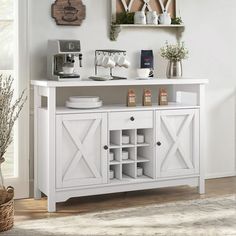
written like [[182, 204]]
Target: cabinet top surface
[[129, 82]]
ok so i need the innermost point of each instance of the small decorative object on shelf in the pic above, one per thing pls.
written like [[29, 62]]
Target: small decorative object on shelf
[[131, 98], [163, 97], [125, 139], [176, 21], [111, 156], [69, 12], [140, 18], [125, 155], [152, 18], [139, 171], [111, 174], [174, 53], [9, 113], [147, 97], [140, 138]]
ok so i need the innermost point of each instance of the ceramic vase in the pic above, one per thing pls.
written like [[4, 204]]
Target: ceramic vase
[[174, 70], [164, 18]]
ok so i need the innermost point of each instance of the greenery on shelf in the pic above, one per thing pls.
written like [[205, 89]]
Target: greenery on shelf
[[176, 21], [174, 52], [124, 18]]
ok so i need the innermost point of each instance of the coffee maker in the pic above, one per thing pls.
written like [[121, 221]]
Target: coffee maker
[[64, 60]]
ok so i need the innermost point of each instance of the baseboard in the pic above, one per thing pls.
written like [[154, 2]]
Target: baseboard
[[221, 175]]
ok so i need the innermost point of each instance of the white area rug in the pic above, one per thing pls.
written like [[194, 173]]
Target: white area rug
[[212, 216]]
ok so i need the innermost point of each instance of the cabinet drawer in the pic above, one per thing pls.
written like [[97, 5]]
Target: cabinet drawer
[[131, 120]]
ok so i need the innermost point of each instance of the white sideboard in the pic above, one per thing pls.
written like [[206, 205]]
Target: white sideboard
[[72, 146]]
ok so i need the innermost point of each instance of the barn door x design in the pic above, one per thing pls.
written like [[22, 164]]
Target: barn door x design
[[175, 136], [82, 146], [146, 5]]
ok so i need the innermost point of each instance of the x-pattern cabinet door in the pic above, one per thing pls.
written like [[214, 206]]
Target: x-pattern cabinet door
[[177, 133], [80, 155]]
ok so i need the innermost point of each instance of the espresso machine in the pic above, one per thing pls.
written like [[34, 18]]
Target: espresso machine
[[64, 60]]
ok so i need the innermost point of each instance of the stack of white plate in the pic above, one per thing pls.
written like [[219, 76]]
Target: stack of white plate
[[83, 102]]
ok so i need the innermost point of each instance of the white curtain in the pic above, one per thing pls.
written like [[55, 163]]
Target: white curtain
[[6, 34]]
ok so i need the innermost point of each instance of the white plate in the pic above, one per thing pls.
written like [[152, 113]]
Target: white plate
[[84, 99], [83, 105]]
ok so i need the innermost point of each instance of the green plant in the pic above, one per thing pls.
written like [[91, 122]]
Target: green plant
[[9, 113], [174, 52], [125, 18], [176, 21]]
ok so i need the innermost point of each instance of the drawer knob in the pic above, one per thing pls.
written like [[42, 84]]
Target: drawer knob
[[106, 147], [158, 143], [132, 118]]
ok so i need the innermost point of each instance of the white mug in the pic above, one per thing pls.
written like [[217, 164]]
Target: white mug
[[99, 61], [123, 62], [68, 70], [108, 62], [152, 18]]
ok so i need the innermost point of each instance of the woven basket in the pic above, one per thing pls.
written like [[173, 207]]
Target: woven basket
[[7, 213]]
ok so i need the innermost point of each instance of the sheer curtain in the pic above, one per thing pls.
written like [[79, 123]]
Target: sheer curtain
[[7, 47]]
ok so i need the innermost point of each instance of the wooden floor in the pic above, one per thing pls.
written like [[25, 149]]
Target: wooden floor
[[36, 209]]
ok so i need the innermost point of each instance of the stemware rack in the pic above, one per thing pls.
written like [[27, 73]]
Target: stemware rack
[[110, 53]]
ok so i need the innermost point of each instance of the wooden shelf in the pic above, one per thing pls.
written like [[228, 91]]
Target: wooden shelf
[[116, 29], [149, 26]]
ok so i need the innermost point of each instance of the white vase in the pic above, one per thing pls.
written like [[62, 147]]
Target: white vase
[[152, 18], [164, 18], [140, 18]]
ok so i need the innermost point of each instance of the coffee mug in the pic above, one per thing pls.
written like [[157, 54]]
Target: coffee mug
[[108, 62], [68, 70], [99, 61], [123, 62]]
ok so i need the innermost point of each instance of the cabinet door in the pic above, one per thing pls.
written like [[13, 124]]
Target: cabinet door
[[177, 142], [80, 155]]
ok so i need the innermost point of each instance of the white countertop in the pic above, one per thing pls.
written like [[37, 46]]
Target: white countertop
[[129, 82]]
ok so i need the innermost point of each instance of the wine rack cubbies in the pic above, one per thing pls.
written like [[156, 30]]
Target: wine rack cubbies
[[131, 152]]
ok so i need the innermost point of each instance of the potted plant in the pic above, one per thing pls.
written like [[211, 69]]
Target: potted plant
[[9, 112], [174, 53]]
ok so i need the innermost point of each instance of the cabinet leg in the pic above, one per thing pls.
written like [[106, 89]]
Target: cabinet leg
[[37, 194], [51, 205], [201, 189]]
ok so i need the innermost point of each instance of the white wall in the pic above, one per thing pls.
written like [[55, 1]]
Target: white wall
[[210, 35]]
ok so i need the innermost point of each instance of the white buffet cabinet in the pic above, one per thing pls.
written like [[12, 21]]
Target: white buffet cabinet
[[72, 146]]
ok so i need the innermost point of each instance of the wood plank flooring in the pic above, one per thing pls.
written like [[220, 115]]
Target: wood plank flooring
[[29, 209]]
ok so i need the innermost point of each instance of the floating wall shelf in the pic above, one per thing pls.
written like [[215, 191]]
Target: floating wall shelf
[[120, 6], [116, 29]]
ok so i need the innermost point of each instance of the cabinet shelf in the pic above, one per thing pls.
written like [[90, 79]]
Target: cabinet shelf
[[142, 144], [114, 163], [127, 161], [142, 159], [120, 107]]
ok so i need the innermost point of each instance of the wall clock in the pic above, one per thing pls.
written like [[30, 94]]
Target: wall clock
[[69, 12]]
